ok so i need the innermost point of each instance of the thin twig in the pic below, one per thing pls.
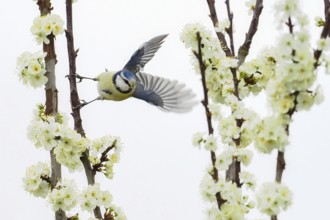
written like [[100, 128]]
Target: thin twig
[[215, 21], [74, 97], [51, 97], [104, 158], [245, 48], [229, 30], [205, 102]]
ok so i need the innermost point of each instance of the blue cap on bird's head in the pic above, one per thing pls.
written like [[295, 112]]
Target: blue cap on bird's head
[[131, 81], [127, 75]]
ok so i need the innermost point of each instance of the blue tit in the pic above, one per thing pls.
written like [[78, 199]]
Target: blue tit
[[131, 81]]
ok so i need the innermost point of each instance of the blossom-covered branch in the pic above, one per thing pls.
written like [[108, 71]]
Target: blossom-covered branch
[[243, 51], [205, 102], [51, 96]]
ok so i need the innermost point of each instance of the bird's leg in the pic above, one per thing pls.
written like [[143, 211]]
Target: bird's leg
[[84, 103], [83, 77]]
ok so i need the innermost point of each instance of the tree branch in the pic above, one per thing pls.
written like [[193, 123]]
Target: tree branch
[[214, 17], [104, 157], [205, 102], [75, 101], [51, 97], [245, 48], [324, 34], [326, 7], [230, 29]]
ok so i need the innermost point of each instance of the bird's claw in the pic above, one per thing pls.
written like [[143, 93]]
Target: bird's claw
[[80, 78], [82, 104]]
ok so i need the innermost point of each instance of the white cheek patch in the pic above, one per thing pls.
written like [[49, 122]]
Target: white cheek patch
[[121, 84]]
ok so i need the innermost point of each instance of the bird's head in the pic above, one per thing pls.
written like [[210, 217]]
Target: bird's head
[[125, 81]]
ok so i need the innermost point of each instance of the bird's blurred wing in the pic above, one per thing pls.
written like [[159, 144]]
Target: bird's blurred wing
[[144, 54], [163, 93]]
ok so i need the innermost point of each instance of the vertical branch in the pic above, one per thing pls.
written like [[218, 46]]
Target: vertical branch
[[215, 21], [230, 29], [324, 34], [75, 101], [280, 166], [205, 102], [51, 97], [244, 49], [326, 7]]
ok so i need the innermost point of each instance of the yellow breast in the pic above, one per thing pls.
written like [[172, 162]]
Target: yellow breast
[[108, 90]]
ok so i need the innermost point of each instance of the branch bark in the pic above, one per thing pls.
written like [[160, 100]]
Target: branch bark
[[205, 102], [245, 48], [324, 34], [326, 7], [214, 17], [230, 29], [51, 97], [75, 101]]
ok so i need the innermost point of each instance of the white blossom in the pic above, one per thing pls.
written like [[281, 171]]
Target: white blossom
[[31, 69], [271, 134], [251, 4], [198, 139], [211, 143], [64, 196], [224, 160], [45, 25], [35, 179], [248, 179]]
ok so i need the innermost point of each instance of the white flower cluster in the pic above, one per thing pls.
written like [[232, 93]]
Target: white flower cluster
[[93, 196], [287, 8], [272, 197], [50, 132], [31, 69], [105, 152], [236, 204], [208, 142], [116, 213], [64, 196], [45, 25], [290, 89], [271, 134], [219, 77], [225, 158], [240, 125], [35, 180], [70, 147], [255, 74]]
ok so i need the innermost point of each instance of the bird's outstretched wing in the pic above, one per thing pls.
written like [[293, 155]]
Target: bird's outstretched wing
[[163, 93], [144, 54]]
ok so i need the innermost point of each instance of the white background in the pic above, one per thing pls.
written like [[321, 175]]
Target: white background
[[159, 172]]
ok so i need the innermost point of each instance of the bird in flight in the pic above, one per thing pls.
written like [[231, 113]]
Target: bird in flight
[[131, 81]]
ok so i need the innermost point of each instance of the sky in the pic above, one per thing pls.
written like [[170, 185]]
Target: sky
[[159, 173]]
